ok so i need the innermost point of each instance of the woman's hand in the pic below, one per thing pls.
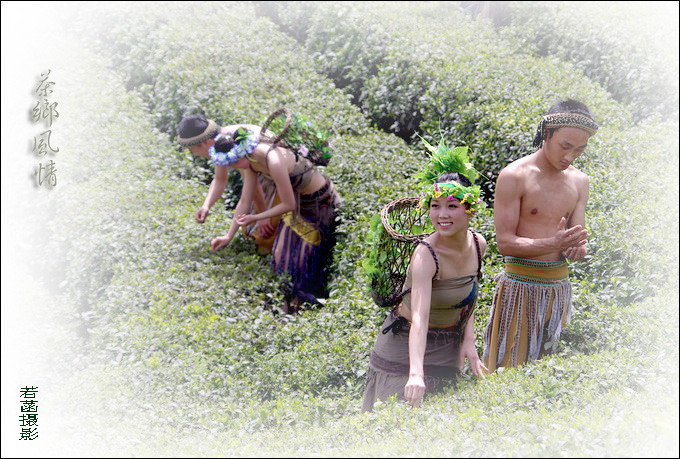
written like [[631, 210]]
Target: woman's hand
[[414, 390], [202, 214], [220, 242], [245, 219], [469, 350], [266, 227]]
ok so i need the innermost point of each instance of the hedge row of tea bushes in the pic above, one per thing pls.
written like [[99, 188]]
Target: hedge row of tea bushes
[[432, 69], [189, 306], [621, 402], [629, 49]]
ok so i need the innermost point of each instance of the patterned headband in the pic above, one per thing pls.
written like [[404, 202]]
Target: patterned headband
[[558, 120]]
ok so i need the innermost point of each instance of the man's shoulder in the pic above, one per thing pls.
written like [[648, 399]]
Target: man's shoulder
[[518, 168], [578, 176]]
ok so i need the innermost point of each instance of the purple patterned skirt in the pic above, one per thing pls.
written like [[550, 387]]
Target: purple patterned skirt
[[304, 243]]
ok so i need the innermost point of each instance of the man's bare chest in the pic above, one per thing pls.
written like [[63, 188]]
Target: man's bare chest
[[548, 200]]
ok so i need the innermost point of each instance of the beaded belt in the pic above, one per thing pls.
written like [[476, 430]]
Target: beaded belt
[[536, 271]]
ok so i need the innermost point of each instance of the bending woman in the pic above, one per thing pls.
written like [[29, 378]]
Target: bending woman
[[308, 200], [426, 338]]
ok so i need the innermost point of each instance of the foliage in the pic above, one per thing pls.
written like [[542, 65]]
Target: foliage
[[473, 87], [641, 72], [305, 137], [464, 83], [163, 297]]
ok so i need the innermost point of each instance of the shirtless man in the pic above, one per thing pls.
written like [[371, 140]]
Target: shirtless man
[[540, 222]]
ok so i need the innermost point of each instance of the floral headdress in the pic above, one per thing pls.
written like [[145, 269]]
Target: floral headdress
[[446, 160], [231, 147]]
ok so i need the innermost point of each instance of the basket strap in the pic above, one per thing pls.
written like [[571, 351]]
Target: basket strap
[[479, 255], [280, 111], [434, 255], [436, 273], [275, 141]]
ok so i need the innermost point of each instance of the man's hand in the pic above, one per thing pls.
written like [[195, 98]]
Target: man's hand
[[565, 238], [414, 390], [220, 242], [202, 214], [575, 253]]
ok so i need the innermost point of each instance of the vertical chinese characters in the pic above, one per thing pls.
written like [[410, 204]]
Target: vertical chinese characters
[[29, 413], [45, 110]]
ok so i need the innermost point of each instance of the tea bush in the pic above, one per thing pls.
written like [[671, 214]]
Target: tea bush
[[631, 58], [476, 88], [424, 75], [194, 312], [163, 297]]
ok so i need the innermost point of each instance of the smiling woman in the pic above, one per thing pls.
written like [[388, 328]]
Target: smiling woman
[[432, 327]]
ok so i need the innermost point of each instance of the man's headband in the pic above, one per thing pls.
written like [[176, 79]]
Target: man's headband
[[195, 135], [558, 120]]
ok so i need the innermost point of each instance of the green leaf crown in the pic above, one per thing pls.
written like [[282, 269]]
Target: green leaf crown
[[444, 159]]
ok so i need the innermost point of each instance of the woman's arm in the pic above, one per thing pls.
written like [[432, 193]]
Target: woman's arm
[[265, 227], [469, 350], [260, 205], [217, 186], [246, 199], [422, 269], [279, 173]]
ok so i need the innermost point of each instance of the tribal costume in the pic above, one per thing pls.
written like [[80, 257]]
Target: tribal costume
[[451, 305], [532, 300], [532, 303], [306, 235]]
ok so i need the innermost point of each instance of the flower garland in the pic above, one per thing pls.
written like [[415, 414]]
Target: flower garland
[[470, 195], [244, 142]]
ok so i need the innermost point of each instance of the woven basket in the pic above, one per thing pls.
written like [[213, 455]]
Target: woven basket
[[302, 137], [405, 225]]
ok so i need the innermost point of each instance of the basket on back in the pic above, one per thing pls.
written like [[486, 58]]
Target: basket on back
[[299, 134], [393, 237]]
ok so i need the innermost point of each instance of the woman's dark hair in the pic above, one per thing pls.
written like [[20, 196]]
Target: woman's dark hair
[[192, 126], [455, 177], [224, 142]]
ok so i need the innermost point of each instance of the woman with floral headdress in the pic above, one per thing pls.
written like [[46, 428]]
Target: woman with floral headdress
[[426, 338], [308, 200]]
